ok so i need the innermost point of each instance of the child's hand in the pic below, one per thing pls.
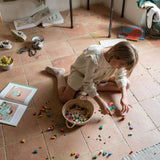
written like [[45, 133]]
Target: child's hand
[[103, 105], [105, 109], [125, 105]]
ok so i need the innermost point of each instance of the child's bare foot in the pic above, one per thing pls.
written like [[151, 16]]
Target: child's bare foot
[[55, 71]]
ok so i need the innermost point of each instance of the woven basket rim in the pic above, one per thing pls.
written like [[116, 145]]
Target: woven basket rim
[[78, 102]]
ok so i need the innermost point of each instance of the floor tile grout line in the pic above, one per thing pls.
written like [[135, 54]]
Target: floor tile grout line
[[142, 133], [48, 57], [27, 138], [43, 135], [142, 100], [134, 96], [96, 41], [124, 139], [4, 143], [47, 149], [156, 127], [22, 66], [148, 116], [45, 142], [67, 41], [115, 144], [148, 73], [74, 52], [121, 134], [85, 142]]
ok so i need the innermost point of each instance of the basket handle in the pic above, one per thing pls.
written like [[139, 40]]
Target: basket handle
[[68, 126]]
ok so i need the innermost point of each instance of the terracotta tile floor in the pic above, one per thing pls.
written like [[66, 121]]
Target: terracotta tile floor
[[61, 47]]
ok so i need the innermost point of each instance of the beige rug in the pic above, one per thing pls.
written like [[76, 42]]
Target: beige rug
[[149, 153]]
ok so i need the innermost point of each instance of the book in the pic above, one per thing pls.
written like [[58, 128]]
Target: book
[[142, 37], [14, 100], [33, 20], [55, 18], [131, 33], [111, 42]]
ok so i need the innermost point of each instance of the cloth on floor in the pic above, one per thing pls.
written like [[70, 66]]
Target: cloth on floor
[[149, 153], [153, 15]]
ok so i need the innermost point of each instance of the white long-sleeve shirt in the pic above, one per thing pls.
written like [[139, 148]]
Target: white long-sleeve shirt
[[90, 68]]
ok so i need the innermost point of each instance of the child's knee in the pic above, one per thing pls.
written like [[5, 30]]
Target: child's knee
[[66, 93], [62, 99]]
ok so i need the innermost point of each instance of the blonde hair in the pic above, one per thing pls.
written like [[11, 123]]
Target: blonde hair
[[126, 52]]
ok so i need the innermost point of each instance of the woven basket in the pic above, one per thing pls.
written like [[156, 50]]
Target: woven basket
[[81, 103]]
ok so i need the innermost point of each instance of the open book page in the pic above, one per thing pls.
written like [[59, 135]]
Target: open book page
[[55, 18], [10, 112], [24, 23], [33, 20], [18, 93], [38, 17]]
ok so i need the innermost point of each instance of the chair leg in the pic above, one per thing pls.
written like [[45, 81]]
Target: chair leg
[[71, 16], [122, 13], [111, 15], [88, 5]]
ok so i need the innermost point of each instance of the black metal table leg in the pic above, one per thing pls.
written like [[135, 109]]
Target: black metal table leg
[[122, 13], [88, 5], [70, 2], [111, 15]]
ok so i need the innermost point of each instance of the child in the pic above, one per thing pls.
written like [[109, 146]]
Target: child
[[98, 69]]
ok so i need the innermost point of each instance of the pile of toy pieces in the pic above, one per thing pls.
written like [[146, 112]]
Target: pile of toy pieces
[[77, 114], [111, 107]]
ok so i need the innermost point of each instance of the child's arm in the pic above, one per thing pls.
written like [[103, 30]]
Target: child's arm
[[102, 104], [124, 100], [121, 81]]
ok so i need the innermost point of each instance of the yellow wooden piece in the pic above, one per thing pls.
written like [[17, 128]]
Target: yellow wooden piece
[[53, 137], [23, 141], [40, 116], [73, 153]]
